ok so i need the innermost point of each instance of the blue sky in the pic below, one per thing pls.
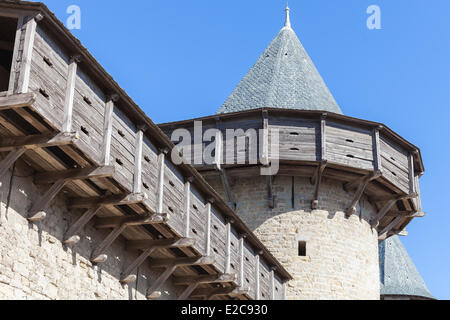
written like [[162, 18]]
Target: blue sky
[[180, 59]]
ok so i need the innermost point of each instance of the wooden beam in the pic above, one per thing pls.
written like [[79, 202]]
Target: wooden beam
[[384, 233], [74, 174], [15, 101], [98, 255], [406, 214], [156, 285], [203, 279], [226, 187], [187, 209], [228, 247], [188, 261], [386, 209], [36, 212], [9, 160], [69, 96], [188, 291], [257, 282], [138, 220], [208, 230], [107, 130], [127, 275], [377, 149], [160, 243], [113, 200], [363, 183], [213, 292], [241, 262], [71, 237], [24, 76], [160, 190], [272, 285], [16, 58], [137, 183], [323, 137], [219, 146], [317, 181], [37, 141]]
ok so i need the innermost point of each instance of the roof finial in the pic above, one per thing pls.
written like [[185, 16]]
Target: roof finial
[[287, 24]]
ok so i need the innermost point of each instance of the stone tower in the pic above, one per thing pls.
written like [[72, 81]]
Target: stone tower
[[341, 184]]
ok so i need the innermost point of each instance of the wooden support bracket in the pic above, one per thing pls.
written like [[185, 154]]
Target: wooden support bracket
[[71, 237], [188, 291], [384, 233], [137, 220], [203, 279], [98, 255], [317, 180], [363, 183], [37, 141], [114, 200], [226, 187], [160, 243], [189, 261], [17, 101], [36, 212], [152, 292], [74, 174]]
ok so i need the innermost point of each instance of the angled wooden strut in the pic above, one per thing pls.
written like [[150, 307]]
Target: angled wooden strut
[[71, 237], [385, 232], [152, 292], [149, 246], [188, 291], [60, 180], [226, 185], [17, 146], [390, 203], [317, 180], [363, 183], [119, 224]]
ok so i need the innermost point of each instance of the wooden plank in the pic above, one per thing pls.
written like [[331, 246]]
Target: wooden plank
[[228, 247], [126, 275], [24, 76], [384, 233], [376, 149], [241, 262], [272, 285], [226, 186], [17, 101], [37, 141], [257, 282], [74, 174], [318, 181], [70, 92], [323, 137], [187, 208]]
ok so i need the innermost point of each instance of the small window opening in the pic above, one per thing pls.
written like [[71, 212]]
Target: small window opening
[[194, 231], [350, 140], [84, 130], [392, 158], [48, 61], [171, 183], [295, 149], [120, 132], [145, 186], [170, 209], [194, 206], [147, 159], [295, 134], [350, 156], [87, 100], [394, 173], [302, 248], [119, 162], [44, 93]]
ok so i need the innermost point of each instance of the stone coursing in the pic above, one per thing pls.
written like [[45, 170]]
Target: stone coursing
[[342, 254], [34, 264]]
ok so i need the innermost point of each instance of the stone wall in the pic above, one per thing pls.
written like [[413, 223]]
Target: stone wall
[[34, 264], [341, 259]]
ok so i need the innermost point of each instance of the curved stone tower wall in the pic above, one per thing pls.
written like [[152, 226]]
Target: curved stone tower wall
[[341, 259]]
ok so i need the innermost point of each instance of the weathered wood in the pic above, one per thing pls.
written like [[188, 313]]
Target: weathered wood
[[74, 174], [69, 96], [107, 132], [411, 174], [384, 233], [203, 279], [16, 101], [190, 261], [364, 182], [160, 191], [24, 77], [228, 248], [213, 292], [138, 220], [126, 275], [37, 141], [137, 186], [272, 285], [9, 160], [188, 291], [36, 212], [160, 243], [208, 230], [114, 200], [16, 56], [376, 149], [71, 237], [98, 255], [323, 137], [219, 146], [257, 282], [153, 290], [241, 262], [317, 180], [187, 209]]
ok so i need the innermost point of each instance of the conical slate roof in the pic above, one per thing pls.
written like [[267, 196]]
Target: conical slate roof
[[283, 77], [398, 274]]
